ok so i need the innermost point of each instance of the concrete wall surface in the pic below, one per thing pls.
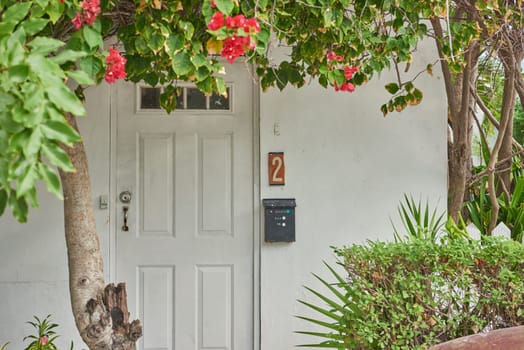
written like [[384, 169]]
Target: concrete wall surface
[[346, 165], [348, 168]]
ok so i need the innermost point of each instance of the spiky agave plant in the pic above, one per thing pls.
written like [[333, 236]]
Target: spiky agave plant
[[418, 221], [333, 314]]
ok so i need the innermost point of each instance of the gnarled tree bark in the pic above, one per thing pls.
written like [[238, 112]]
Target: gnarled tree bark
[[100, 313]]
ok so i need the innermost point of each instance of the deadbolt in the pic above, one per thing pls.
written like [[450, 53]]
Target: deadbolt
[[125, 197]]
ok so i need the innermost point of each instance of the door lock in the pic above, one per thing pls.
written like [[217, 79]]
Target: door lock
[[125, 197]]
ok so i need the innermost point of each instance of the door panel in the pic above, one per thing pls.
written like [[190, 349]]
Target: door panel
[[188, 255]]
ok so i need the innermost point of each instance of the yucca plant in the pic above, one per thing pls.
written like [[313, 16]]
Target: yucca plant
[[419, 222], [4, 346], [334, 315]]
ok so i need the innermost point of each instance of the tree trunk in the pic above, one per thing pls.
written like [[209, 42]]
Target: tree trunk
[[93, 307], [460, 104], [460, 120]]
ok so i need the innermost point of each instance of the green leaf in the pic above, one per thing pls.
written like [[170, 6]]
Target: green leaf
[[18, 207], [34, 143], [55, 10], [182, 63], [225, 6], [174, 44], [15, 13], [7, 28], [91, 65], [68, 56], [44, 45], [80, 77], [63, 98], [199, 60], [221, 85], [51, 179], [153, 39], [27, 181], [60, 131], [18, 141], [3, 201], [49, 72], [57, 156], [187, 28], [18, 73], [34, 25], [92, 37], [392, 88]]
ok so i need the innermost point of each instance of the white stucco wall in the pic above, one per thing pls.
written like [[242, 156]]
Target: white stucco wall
[[33, 260], [346, 165]]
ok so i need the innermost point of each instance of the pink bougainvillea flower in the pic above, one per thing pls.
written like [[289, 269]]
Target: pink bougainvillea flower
[[237, 21], [349, 71], [90, 10], [44, 340], [251, 26], [332, 56], [234, 47], [240, 34], [344, 87], [116, 66], [217, 21], [78, 21]]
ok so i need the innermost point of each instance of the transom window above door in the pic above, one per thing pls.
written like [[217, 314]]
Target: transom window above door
[[188, 98]]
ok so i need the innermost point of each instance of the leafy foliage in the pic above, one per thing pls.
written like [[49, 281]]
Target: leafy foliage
[[45, 334], [511, 211], [418, 221], [48, 45], [518, 130], [412, 294]]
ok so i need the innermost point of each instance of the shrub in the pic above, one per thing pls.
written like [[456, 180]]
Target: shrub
[[412, 294]]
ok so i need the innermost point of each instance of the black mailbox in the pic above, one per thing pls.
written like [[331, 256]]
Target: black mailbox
[[279, 220]]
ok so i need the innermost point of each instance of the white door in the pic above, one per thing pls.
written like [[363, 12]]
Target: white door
[[187, 257]]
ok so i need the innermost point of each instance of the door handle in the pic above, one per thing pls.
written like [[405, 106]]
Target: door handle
[[125, 228]]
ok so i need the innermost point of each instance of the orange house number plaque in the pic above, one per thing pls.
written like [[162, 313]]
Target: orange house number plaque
[[277, 169]]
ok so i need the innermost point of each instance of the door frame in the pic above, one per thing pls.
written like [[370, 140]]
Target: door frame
[[110, 273]]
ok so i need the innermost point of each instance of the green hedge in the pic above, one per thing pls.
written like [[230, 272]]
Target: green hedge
[[409, 295]]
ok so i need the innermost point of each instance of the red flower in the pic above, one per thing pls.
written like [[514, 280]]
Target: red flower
[[217, 21], [344, 87], [332, 56], [116, 66], [349, 71], [44, 340], [234, 47], [251, 26], [213, 4], [237, 21], [90, 10], [78, 21]]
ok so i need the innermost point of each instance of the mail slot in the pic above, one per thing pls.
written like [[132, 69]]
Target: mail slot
[[279, 220]]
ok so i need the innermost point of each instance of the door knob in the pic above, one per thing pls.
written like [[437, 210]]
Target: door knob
[[125, 197]]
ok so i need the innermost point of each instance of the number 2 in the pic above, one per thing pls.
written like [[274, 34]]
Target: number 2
[[276, 161]]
